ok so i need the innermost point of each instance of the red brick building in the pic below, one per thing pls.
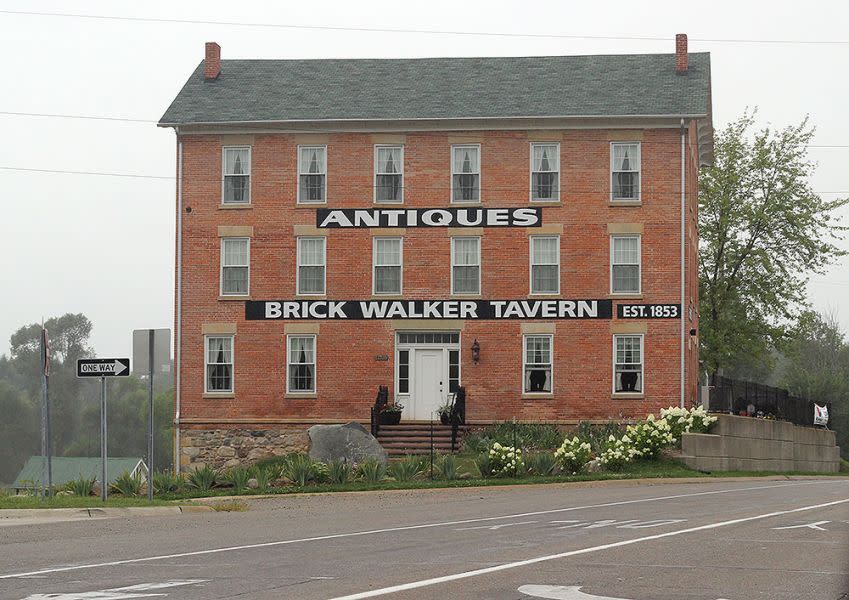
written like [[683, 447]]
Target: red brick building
[[509, 225]]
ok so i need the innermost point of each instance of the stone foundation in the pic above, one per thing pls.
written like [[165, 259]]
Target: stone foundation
[[225, 448]]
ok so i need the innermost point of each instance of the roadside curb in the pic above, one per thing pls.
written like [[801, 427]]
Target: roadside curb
[[647, 481], [97, 512]]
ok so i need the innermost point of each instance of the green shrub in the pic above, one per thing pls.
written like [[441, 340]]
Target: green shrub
[[573, 455], [541, 463], [81, 487], [530, 436], [237, 477], [448, 469], [484, 465], [167, 482], [264, 475], [617, 453], [408, 469], [128, 485], [505, 461], [202, 479], [339, 472], [651, 436], [596, 435], [371, 470], [300, 469]]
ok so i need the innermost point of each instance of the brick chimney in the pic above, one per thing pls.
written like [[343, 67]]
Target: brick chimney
[[212, 61], [681, 61]]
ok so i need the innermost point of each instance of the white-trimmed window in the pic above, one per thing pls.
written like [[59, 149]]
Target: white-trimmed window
[[218, 358], [625, 264], [628, 364], [545, 264], [236, 171], [625, 170], [545, 171], [388, 265], [389, 174], [466, 173], [312, 174], [465, 265], [235, 266], [537, 364], [312, 265], [300, 364]]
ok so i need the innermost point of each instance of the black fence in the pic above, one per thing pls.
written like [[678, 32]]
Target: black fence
[[739, 397]]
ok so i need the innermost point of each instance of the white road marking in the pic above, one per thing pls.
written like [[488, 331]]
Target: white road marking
[[495, 527], [539, 559], [814, 525], [627, 524], [334, 536], [141, 590], [561, 592]]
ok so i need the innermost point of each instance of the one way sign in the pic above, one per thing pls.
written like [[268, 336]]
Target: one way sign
[[103, 367]]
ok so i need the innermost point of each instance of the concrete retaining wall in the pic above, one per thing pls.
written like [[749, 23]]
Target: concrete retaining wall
[[748, 444]]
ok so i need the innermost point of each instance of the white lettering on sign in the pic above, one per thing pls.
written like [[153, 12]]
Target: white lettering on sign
[[429, 217]]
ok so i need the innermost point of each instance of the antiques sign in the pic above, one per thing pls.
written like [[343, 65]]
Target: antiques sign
[[258, 310], [429, 217]]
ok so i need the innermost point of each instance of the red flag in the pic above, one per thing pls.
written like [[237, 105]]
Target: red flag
[[45, 352]]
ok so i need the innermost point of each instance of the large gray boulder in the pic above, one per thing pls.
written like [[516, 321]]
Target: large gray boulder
[[350, 442]]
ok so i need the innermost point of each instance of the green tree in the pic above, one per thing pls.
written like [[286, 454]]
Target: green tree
[[19, 430], [816, 366], [763, 231]]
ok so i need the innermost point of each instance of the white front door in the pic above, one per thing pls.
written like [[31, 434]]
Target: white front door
[[429, 381]]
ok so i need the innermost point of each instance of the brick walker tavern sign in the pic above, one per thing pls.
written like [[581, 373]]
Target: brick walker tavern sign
[[427, 309], [355, 231]]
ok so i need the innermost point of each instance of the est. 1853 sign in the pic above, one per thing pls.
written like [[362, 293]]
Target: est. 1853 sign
[[429, 217]]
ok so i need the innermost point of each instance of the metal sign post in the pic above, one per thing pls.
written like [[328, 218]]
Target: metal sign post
[[103, 368], [150, 416], [151, 355], [104, 485]]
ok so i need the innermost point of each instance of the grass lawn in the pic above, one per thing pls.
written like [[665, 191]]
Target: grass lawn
[[77, 502]]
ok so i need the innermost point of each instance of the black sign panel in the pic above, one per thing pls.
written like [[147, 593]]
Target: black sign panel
[[103, 367], [258, 310], [429, 217], [648, 311]]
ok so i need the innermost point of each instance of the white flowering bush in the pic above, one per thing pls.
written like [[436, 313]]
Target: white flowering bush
[[682, 420], [505, 460], [651, 436], [617, 453], [573, 455]]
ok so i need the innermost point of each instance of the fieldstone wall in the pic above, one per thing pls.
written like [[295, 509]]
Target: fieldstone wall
[[225, 448], [749, 444]]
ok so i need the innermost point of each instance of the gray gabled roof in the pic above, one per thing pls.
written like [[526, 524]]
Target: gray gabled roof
[[630, 85]]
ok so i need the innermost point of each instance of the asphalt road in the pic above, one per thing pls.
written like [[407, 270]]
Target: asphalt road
[[714, 540]]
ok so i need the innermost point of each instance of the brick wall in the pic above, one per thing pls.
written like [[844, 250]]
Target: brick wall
[[347, 372]]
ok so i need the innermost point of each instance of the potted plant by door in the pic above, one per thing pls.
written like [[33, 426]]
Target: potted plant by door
[[444, 412], [391, 414]]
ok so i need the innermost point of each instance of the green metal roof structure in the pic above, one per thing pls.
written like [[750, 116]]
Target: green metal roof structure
[[68, 468]]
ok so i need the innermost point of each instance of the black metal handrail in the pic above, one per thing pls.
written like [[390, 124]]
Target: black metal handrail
[[457, 416], [379, 404]]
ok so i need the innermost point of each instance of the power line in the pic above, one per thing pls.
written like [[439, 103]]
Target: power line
[[279, 182], [501, 34], [61, 116]]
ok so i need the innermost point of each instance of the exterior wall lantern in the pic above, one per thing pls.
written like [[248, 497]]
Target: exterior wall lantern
[[476, 351]]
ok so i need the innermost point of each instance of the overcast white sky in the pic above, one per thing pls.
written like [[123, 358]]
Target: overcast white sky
[[104, 246]]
